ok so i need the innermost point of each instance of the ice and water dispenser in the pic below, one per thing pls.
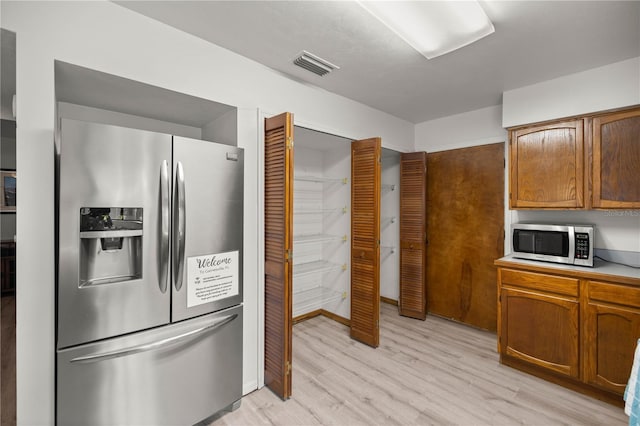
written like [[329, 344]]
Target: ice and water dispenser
[[110, 245]]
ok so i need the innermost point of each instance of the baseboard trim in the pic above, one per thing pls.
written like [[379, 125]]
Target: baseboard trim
[[317, 312], [307, 316], [336, 318], [389, 301]]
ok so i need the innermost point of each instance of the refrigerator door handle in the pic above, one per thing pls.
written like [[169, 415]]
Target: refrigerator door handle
[[164, 227], [179, 231], [169, 341]]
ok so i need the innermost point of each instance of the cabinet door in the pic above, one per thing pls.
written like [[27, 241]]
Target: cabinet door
[[278, 242], [413, 235], [547, 166], [540, 329], [610, 336], [365, 241], [616, 160]]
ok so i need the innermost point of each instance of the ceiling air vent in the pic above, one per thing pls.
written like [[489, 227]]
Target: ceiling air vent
[[314, 64]]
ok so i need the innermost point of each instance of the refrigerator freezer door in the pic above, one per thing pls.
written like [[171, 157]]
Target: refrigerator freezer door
[[112, 275], [178, 374], [207, 227]]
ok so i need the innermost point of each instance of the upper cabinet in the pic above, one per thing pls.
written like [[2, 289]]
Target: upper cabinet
[[547, 166], [616, 160], [581, 163]]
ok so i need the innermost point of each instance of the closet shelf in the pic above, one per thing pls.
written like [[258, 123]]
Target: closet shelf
[[314, 298], [342, 210], [320, 179], [320, 266], [318, 238], [388, 186]]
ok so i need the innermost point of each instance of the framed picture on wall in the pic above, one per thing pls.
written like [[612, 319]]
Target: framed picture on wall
[[7, 191]]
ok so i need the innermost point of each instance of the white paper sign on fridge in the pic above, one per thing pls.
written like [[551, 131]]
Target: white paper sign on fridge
[[212, 277]]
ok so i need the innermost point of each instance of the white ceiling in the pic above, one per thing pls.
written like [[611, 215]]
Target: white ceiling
[[534, 41]]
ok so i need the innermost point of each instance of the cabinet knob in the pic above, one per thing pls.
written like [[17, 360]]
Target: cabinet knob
[[411, 246], [362, 255]]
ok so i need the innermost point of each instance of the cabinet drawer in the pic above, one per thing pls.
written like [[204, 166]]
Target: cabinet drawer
[[540, 282], [612, 293]]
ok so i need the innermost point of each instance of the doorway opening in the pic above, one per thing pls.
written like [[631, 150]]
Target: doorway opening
[[8, 202]]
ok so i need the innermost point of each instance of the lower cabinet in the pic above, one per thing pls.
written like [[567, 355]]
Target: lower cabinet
[[541, 329], [610, 331], [569, 328]]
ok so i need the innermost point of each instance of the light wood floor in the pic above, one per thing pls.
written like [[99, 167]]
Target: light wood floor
[[424, 372]]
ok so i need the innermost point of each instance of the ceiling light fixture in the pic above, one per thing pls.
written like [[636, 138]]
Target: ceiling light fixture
[[433, 28]]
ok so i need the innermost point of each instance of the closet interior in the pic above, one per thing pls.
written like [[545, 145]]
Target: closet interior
[[322, 220], [390, 226]]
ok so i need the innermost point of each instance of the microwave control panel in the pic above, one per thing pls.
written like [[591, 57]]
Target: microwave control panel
[[582, 245]]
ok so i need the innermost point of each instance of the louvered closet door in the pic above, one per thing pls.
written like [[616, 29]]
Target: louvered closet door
[[413, 235], [278, 224], [365, 241]]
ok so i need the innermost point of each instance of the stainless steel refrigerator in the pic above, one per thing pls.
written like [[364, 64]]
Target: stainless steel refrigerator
[[149, 278]]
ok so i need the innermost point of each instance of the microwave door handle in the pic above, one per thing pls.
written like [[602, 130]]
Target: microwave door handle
[[163, 263], [572, 244], [179, 230]]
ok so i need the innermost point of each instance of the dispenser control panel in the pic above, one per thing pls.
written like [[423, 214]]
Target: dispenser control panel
[[111, 244]]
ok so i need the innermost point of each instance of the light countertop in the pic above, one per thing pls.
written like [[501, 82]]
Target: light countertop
[[601, 270]]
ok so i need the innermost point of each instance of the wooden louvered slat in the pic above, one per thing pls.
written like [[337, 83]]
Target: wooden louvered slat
[[413, 232], [365, 241], [278, 236]]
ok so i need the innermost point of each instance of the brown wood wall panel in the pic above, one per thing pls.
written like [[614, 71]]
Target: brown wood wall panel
[[465, 233], [413, 233], [278, 202], [365, 241]]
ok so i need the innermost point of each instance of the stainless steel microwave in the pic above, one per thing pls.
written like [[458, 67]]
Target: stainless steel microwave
[[570, 244]]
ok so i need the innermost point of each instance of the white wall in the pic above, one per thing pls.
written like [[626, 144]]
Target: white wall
[[85, 113], [252, 357], [390, 226], [222, 130], [612, 86], [479, 127], [106, 37], [615, 229]]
